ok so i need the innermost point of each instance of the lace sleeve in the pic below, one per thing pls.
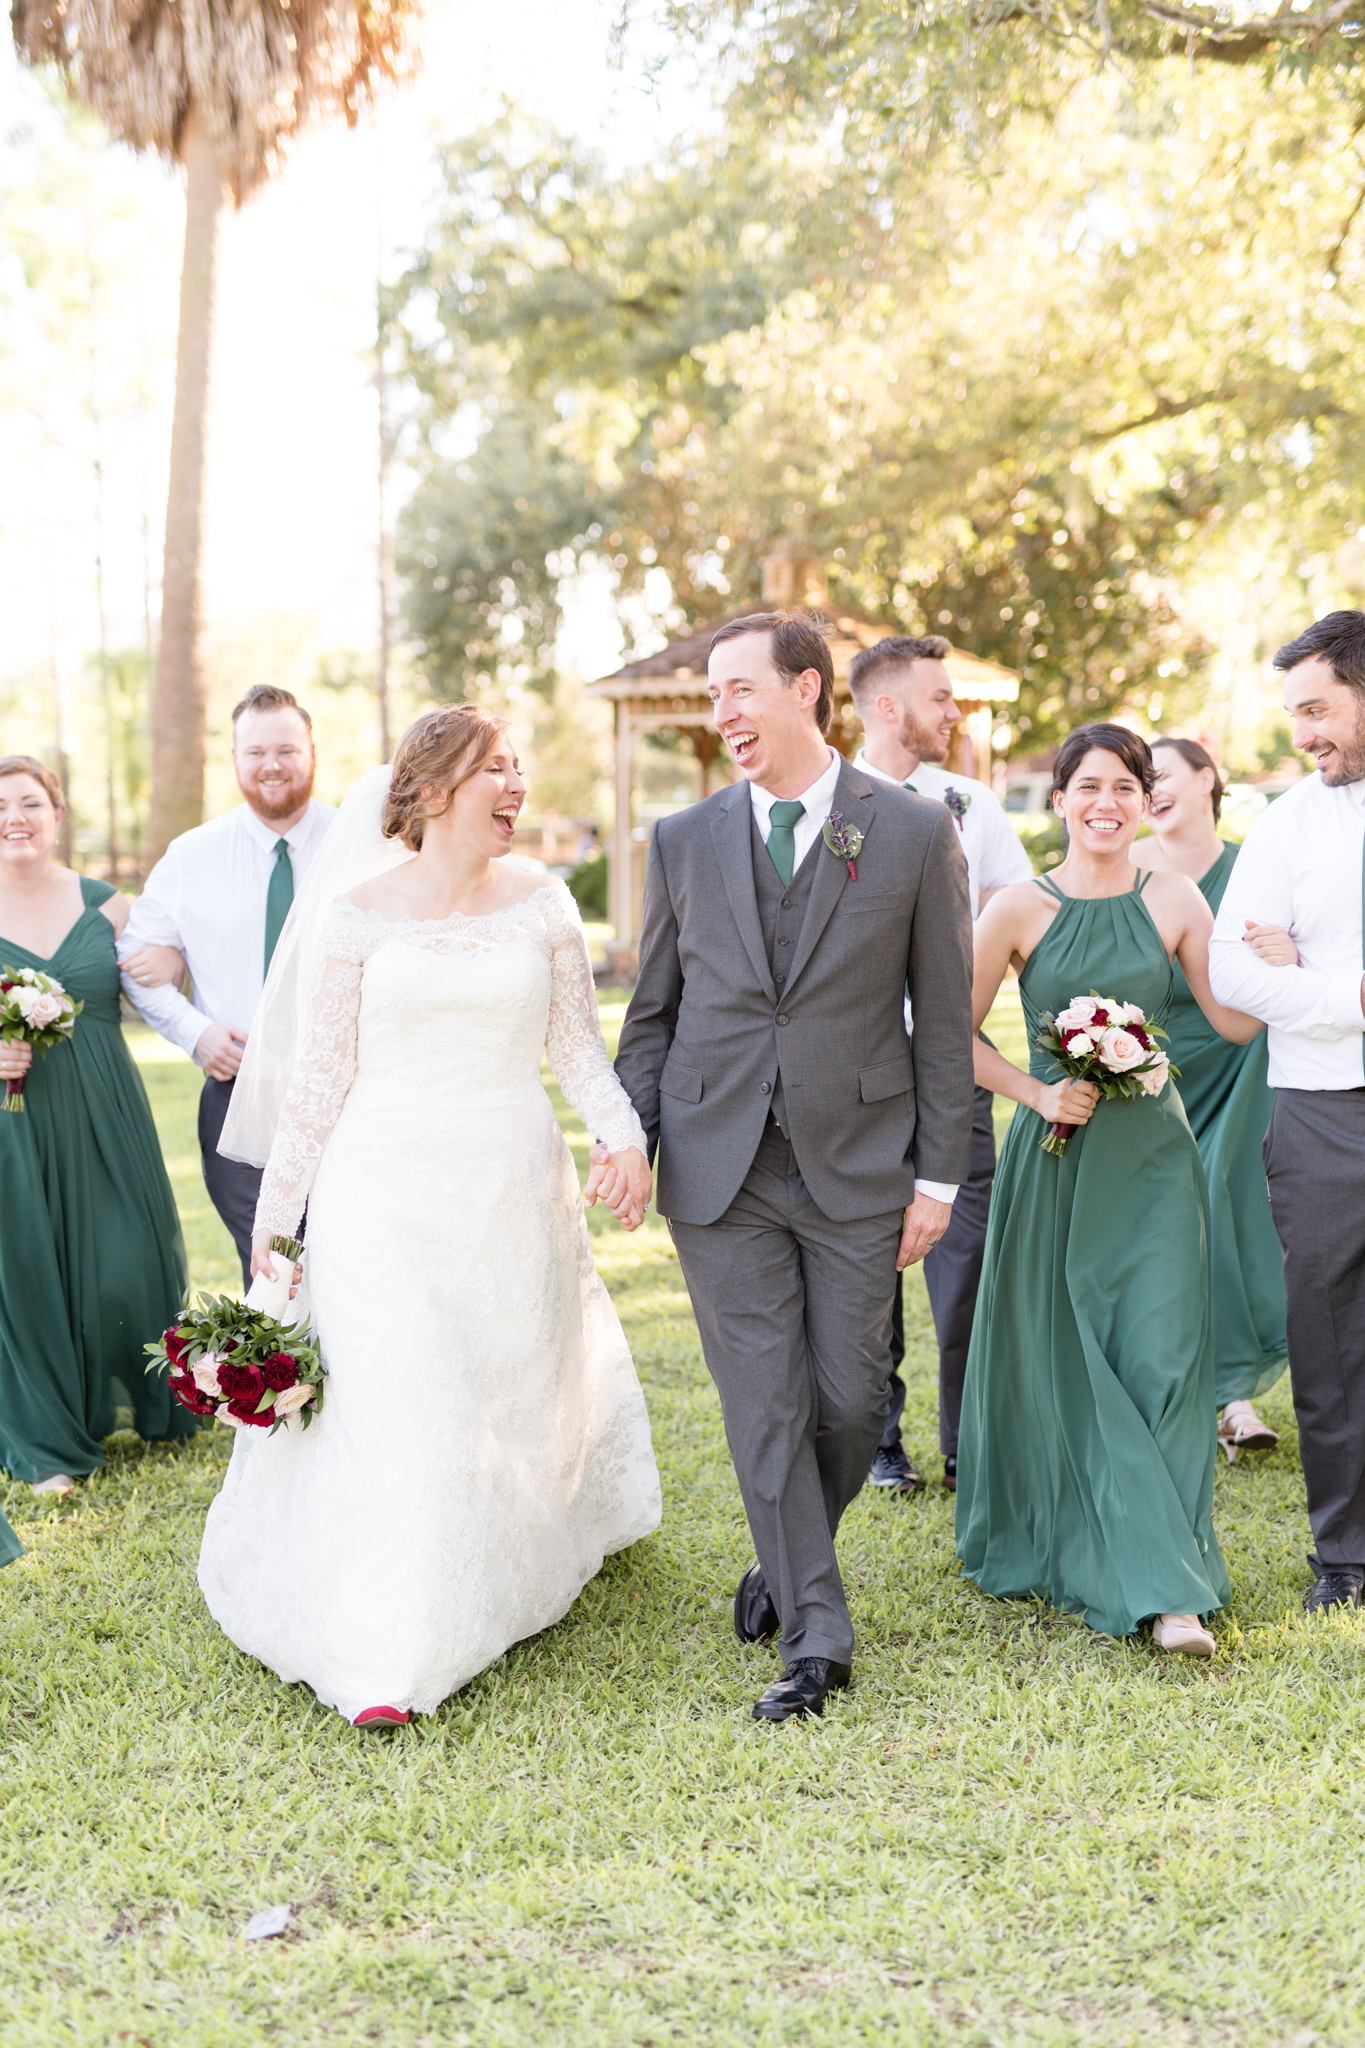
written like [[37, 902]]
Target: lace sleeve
[[573, 1038], [323, 1075]]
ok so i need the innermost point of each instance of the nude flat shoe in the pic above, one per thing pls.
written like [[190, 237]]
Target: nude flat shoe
[[1242, 1429], [1183, 1633], [382, 1717], [58, 1482]]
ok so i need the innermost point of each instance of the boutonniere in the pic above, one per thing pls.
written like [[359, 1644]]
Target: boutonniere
[[958, 804], [844, 841]]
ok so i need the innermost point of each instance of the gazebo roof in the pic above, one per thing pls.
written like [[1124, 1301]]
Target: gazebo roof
[[680, 667]]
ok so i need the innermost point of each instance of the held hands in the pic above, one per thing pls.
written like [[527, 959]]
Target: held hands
[[623, 1181], [154, 966], [262, 1261], [925, 1222], [1067, 1102], [1271, 943], [219, 1051]]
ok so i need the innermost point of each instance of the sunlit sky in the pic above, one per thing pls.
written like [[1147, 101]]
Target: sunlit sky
[[292, 493]]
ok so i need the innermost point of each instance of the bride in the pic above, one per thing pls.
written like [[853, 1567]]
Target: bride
[[484, 1442]]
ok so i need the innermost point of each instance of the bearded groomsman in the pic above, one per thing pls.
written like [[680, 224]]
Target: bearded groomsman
[[904, 696], [219, 897], [807, 1147], [1303, 867]]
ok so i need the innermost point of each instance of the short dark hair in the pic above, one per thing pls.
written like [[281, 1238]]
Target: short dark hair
[[1130, 747], [898, 650], [797, 642], [265, 697], [1195, 756], [1340, 639]]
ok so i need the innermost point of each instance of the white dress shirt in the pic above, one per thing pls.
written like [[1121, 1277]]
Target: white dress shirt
[[206, 895], [819, 801], [1300, 867], [995, 852]]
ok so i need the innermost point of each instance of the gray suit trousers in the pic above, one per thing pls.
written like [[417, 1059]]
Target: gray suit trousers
[[1314, 1154], [793, 1310]]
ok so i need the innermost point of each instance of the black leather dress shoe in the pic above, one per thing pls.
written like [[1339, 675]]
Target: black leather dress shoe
[[893, 1472], [756, 1615], [950, 1474], [1332, 1589], [802, 1689]]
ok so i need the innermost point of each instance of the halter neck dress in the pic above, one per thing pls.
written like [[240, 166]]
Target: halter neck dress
[[1085, 1463], [92, 1266], [1228, 1101]]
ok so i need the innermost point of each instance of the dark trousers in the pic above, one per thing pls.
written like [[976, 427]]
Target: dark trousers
[[952, 1273], [1314, 1154], [233, 1187], [792, 1309]]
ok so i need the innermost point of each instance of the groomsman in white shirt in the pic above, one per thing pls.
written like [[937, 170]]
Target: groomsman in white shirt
[[219, 895], [1303, 867], [904, 696]]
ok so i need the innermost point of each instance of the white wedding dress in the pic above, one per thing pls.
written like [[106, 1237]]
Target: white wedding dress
[[484, 1442]]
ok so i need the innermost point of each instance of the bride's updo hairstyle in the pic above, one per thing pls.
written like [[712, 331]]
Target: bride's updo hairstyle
[[1130, 747], [441, 749]]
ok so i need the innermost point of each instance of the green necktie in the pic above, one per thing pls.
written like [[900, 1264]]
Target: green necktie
[[782, 838], [911, 787], [278, 897]]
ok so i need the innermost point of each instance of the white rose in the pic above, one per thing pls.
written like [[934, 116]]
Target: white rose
[[1119, 1050], [1155, 1081], [229, 1420], [204, 1373], [1079, 1044], [293, 1398]]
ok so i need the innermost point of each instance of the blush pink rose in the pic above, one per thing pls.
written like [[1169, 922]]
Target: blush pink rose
[[205, 1372], [293, 1398], [1119, 1050], [1155, 1081], [38, 1008], [1077, 1014]]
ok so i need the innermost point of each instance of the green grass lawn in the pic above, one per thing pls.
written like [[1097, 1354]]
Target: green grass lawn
[[1011, 1830]]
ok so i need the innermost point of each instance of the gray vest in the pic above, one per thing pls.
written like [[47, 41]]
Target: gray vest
[[781, 912]]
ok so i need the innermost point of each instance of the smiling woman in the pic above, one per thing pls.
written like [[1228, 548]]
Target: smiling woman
[[1085, 1464], [91, 1262]]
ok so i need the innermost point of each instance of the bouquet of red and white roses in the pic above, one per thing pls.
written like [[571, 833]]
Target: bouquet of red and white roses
[[232, 1360], [1109, 1044], [35, 1010]]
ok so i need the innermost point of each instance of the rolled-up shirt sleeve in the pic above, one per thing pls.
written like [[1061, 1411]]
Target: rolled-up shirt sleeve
[[1301, 1000]]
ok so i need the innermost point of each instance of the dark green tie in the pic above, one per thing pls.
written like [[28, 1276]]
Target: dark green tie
[[911, 787], [278, 897], [782, 838]]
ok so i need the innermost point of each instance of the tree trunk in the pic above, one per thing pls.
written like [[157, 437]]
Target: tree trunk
[[180, 698]]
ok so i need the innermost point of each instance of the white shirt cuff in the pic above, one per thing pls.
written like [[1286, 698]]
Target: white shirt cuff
[[937, 1190], [1343, 1001]]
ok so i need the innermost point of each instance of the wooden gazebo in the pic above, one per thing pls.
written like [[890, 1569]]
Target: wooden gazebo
[[667, 690]]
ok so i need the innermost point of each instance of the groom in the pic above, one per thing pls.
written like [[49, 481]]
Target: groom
[[807, 1149]]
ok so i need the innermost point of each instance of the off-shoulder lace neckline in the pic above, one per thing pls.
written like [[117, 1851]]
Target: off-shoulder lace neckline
[[455, 917]]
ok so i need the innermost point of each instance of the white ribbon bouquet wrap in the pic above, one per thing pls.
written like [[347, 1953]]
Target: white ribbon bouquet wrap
[[270, 1292]]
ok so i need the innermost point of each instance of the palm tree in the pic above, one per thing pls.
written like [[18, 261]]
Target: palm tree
[[220, 88]]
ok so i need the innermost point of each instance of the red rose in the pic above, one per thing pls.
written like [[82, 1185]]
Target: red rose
[[241, 1383], [184, 1390], [175, 1344], [245, 1411], [1100, 1018], [281, 1371]]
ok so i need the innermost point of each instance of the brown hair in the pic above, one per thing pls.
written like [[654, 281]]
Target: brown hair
[[797, 642], [898, 650], [265, 697], [1339, 637], [1130, 747], [1195, 756], [443, 748], [25, 764]]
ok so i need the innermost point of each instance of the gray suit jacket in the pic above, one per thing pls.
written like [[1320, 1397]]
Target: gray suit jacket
[[867, 1109]]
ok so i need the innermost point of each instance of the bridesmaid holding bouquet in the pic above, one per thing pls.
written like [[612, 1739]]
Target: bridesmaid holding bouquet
[[1228, 1101], [1085, 1465], [92, 1266]]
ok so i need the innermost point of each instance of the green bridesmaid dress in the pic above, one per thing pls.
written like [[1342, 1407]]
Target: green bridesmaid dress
[[10, 1546], [92, 1265], [1085, 1462], [1228, 1102]]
